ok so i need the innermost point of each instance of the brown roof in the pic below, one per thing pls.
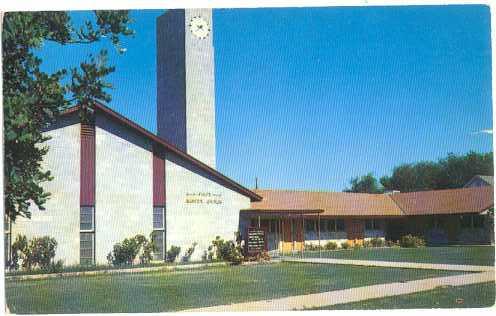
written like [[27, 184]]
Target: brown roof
[[332, 203], [453, 201], [227, 182]]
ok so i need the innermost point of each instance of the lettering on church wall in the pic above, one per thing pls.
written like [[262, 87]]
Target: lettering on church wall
[[203, 198]]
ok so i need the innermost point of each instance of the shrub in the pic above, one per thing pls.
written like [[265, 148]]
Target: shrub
[[392, 243], [37, 253], [312, 247], [127, 251], [227, 250], [377, 242], [409, 241], [346, 244], [331, 245], [172, 253], [187, 255], [357, 245], [367, 244], [18, 251]]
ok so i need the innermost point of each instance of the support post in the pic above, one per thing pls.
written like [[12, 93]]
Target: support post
[[318, 232], [302, 234], [258, 221]]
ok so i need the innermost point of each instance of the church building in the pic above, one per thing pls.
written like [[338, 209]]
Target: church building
[[113, 179]]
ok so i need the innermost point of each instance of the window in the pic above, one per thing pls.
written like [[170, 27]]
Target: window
[[86, 243], [372, 224], [331, 225], [158, 238], [86, 218], [340, 225], [466, 221], [158, 235], [310, 225], [273, 226], [478, 221], [158, 218], [472, 221]]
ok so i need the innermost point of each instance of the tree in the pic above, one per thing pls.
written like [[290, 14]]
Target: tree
[[32, 99], [450, 172], [365, 184]]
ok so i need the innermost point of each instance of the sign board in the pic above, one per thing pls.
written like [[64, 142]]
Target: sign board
[[255, 243]]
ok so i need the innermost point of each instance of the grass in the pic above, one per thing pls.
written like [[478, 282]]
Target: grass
[[471, 255], [468, 296], [172, 291], [101, 267]]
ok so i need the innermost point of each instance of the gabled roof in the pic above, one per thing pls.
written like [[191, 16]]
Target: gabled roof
[[488, 180], [332, 203], [453, 201], [227, 182]]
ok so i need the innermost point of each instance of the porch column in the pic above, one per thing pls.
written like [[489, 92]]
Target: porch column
[[318, 234], [302, 234]]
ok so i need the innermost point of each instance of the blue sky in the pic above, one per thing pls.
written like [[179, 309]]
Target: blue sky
[[307, 98]]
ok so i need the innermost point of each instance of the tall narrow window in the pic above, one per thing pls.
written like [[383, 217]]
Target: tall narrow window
[[87, 235], [86, 248], [86, 218], [158, 235]]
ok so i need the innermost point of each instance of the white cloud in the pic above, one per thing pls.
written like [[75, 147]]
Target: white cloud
[[484, 131]]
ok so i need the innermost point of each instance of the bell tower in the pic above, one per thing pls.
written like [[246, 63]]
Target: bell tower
[[185, 82]]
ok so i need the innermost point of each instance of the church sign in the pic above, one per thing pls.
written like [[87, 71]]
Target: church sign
[[255, 243]]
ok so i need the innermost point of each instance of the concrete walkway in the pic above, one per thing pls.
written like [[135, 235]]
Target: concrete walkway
[[392, 264], [351, 295]]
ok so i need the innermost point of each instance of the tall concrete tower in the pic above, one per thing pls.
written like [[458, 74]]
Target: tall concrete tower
[[185, 82]]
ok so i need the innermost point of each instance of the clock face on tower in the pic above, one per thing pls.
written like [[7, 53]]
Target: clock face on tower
[[199, 27]]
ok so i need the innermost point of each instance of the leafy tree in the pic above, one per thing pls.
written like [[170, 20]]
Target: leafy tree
[[365, 184], [450, 172], [32, 98]]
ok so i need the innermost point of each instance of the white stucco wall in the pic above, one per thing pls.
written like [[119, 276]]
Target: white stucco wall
[[61, 217], [198, 222], [123, 189], [200, 90]]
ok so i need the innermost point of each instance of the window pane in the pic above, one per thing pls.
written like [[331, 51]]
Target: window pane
[[478, 221], [158, 217], [309, 225], [340, 225], [465, 221], [331, 225], [368, 224], [86, 218], [86, 248], [158, 240]]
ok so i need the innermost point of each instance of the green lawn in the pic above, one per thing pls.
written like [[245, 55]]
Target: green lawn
[[475, 255], [468, 296], [171, 291]]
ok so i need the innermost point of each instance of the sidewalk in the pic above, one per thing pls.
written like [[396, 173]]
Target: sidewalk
[[392, 264], [351, 295]]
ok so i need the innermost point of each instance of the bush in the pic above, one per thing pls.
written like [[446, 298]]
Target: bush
[[37, 253], [227, 250], [41, 251], [392, 243], [187, 256], [377, 242], [367, 244], [346, 244], [172, 253], [331, 245], [127, 251], [409, 241], [357, 245], [312, 247]]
